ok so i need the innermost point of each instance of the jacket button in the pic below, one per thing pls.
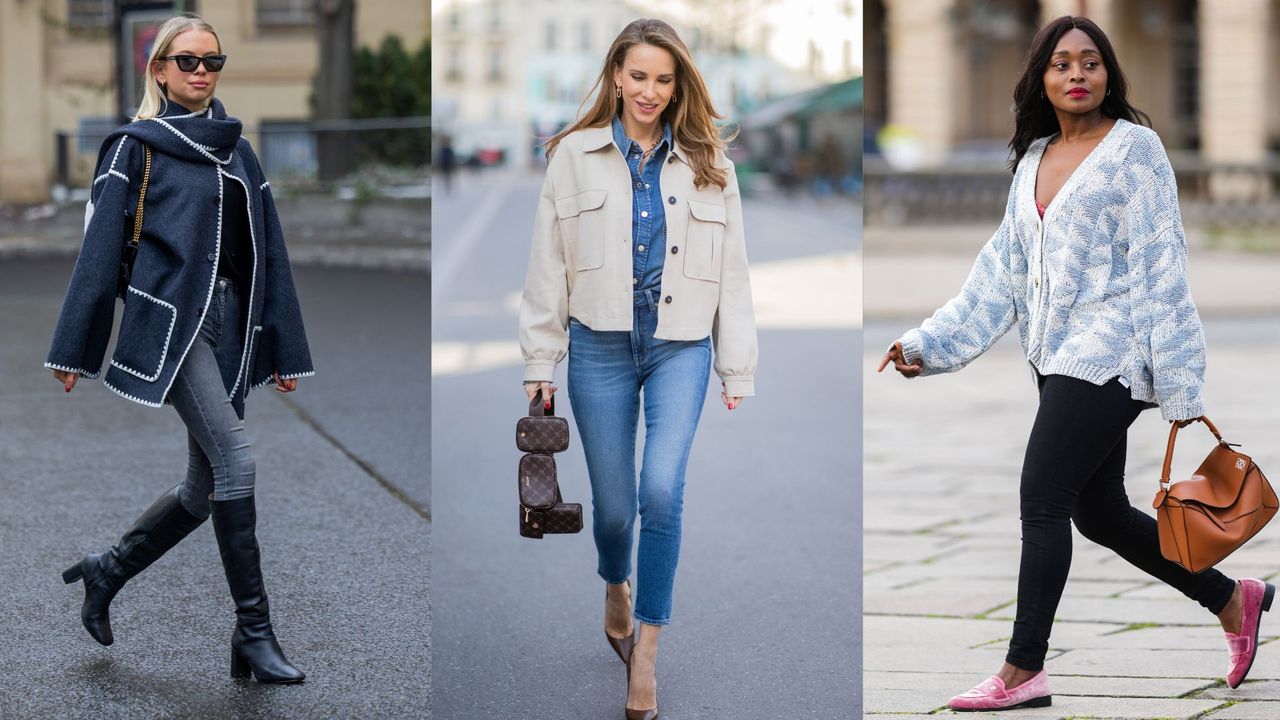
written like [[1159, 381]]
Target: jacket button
[[675, 250], [639, 186], [667, 299], [671, 159], [671, 200], [212, 257], [199, 311]]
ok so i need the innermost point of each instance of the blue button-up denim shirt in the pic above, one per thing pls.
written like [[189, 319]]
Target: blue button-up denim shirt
[[648, 218]]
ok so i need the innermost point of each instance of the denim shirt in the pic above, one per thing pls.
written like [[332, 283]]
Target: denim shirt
[[648, 218]]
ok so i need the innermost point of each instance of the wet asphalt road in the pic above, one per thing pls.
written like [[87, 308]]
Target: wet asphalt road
[[344, 521]]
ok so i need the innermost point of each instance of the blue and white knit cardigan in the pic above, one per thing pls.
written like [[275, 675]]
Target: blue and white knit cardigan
[[1098, 288]]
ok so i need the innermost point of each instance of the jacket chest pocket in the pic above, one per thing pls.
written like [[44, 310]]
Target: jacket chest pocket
[[704, 241], [581, 219], [145, 331]]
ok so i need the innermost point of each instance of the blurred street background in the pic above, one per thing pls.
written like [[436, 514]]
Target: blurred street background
[[766, 620], [334, 97], [942, 558]]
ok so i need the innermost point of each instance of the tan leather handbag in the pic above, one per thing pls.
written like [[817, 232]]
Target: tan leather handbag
[[1206, 517]]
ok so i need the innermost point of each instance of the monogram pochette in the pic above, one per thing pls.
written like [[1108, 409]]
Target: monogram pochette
[[542, 431], [1208, 516], [559, 519], [542, 510], [537, 478]]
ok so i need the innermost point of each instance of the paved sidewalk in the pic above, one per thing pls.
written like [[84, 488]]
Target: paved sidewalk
[[941, 467], [320, 230]]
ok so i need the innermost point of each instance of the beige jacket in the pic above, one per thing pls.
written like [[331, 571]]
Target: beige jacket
[[581, 260]]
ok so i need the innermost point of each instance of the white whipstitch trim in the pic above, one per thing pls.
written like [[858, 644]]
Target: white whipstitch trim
[[117, 155], [78, 371], [102, 177], [195, 144], [213, 277], [243, 374], [271, 378], [263, 185], [118, 174], [173, 319], [127, 396]]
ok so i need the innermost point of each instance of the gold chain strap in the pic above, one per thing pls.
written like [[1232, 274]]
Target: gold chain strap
[[142, 195]]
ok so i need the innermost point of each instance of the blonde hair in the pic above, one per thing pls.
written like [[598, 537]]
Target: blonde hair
[[154, 101], [691, 114]]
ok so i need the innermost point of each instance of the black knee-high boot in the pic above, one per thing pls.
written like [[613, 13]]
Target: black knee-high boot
[[154, 533], [253, 644]]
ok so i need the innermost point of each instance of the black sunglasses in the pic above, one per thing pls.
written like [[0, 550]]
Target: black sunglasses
[[188, 63]]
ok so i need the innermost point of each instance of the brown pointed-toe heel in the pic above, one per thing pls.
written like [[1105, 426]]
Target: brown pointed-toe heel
[[622, 645], [633, 714]]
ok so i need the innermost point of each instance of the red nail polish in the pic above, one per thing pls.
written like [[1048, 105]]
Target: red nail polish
[[67, 388], [546, 405]]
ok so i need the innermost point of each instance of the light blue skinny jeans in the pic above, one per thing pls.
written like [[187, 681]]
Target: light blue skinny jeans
[[607, 373], [219, 458]]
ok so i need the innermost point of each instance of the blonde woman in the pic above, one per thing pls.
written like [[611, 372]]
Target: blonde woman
[[638, 272], [210, 312]]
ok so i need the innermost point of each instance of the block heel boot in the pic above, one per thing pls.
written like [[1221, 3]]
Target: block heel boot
[[154, 533], [254, 649]]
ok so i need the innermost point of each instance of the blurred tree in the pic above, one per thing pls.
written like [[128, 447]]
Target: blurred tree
[[391, 82], [333, 84]]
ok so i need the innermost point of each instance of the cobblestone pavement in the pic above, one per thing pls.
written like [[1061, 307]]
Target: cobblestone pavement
[[941, 467]]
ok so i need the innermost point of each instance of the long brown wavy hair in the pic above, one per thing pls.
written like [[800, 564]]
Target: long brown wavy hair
[[691, 115]]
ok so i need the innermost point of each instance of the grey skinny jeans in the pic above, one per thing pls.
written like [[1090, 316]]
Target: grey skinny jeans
[[219, 458]]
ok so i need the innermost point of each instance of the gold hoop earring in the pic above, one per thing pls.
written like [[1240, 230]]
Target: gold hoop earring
[[618, 92], [674, 99]]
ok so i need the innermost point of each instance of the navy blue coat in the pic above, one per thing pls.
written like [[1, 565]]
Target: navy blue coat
[[195, 158]]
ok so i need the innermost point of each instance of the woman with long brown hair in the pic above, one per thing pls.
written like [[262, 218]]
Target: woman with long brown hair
[[638, 272]]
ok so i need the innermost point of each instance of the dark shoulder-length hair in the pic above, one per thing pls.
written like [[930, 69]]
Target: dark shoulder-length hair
[[1034, 116]]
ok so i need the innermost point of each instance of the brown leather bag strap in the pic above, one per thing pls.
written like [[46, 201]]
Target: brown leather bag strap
[[142, 196], [538, 409], [1168, 453]]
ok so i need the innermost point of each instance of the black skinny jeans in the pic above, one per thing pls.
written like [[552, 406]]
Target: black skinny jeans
[[1074, 471]]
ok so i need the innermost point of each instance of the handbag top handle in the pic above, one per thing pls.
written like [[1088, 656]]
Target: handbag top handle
[[1168, 453], [539, 409]]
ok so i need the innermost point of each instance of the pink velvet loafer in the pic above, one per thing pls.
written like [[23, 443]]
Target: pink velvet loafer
[[1256, 597], [992, 695]]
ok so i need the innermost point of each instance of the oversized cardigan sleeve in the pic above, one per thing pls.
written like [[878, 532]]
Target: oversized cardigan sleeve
[[544, 305], [972, 321], [733, 330], [1164, 314], [84, 325]]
